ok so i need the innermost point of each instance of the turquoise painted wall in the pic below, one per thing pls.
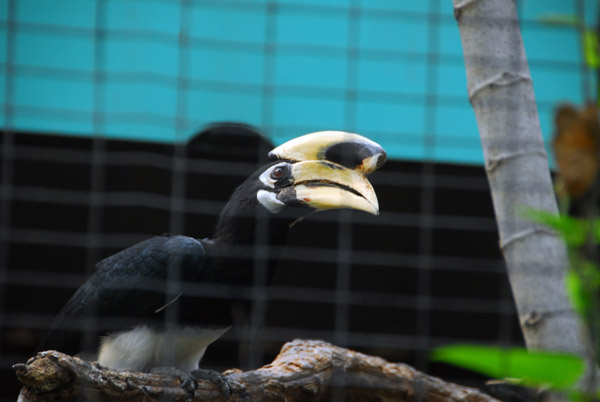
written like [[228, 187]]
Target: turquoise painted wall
[[158, 70]]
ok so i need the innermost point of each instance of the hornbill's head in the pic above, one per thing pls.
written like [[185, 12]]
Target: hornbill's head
[[316, 184], [318, 171], [323, 170]]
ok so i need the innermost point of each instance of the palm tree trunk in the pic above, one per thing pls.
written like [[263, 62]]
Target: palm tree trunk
[[501, 92]]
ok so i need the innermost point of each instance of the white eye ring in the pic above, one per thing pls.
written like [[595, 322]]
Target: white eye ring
[[266, 178], [279, 172]]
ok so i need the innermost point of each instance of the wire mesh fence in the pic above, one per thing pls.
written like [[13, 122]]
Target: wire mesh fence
[[99, 151]]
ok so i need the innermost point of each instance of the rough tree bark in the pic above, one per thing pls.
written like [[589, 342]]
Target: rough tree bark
[[303, 371], [501, 92]]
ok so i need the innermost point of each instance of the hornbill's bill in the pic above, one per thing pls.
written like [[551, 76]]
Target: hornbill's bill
[[161, 302]]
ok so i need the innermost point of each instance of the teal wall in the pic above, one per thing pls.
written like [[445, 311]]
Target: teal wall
[[158, 70]]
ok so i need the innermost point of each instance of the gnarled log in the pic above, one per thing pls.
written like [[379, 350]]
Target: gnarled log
[[304, 370]]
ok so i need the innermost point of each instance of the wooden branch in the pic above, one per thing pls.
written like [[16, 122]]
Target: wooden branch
[[304, 370]]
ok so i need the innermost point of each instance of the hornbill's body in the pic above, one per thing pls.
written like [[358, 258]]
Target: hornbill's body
[[161, 302]]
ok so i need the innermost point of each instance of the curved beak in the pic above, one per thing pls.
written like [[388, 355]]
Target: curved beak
[[327, 185], [350, 150]]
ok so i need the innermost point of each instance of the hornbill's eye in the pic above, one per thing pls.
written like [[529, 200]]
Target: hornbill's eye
[[280, 172]]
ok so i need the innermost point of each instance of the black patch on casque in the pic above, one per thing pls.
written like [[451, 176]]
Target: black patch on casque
[[331, 165], [381, 159], [349, 154]]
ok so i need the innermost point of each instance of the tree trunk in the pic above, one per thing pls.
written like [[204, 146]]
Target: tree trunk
[[501, 92], [303, 371]]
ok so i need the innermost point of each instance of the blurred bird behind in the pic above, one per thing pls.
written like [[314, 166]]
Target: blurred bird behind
[[576, 145]]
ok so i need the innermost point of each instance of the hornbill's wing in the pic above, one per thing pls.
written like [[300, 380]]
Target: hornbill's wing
[[127, 289]]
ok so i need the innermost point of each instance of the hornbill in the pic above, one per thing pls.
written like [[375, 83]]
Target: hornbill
[[161, 302]]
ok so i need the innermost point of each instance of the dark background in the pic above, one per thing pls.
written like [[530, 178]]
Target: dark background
[[426, 272]]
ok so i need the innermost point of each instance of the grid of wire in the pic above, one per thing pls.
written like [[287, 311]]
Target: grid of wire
[[426, 272], [49, 220], [98, 88]]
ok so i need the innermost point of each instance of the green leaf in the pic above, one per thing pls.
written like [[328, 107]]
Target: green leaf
[[583, 284], [580, 299], [573, 231], [578, 396], [590, 48], [535, 368], [560, 19]]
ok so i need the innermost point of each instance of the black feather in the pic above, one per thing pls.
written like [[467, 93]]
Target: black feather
[[127, 289]]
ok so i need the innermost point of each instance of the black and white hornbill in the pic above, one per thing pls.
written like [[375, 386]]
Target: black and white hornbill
[[161, 302]]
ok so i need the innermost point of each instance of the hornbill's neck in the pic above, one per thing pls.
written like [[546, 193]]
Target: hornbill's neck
[[246, 233], [245, 222], [250, 224]]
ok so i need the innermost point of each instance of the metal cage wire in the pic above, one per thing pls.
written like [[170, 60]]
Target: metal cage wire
[[426, 272]]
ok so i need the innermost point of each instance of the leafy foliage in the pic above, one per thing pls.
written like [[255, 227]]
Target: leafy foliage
[[540, 368], [590, 49], [575, 232], [534, 368], [583, 278]]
